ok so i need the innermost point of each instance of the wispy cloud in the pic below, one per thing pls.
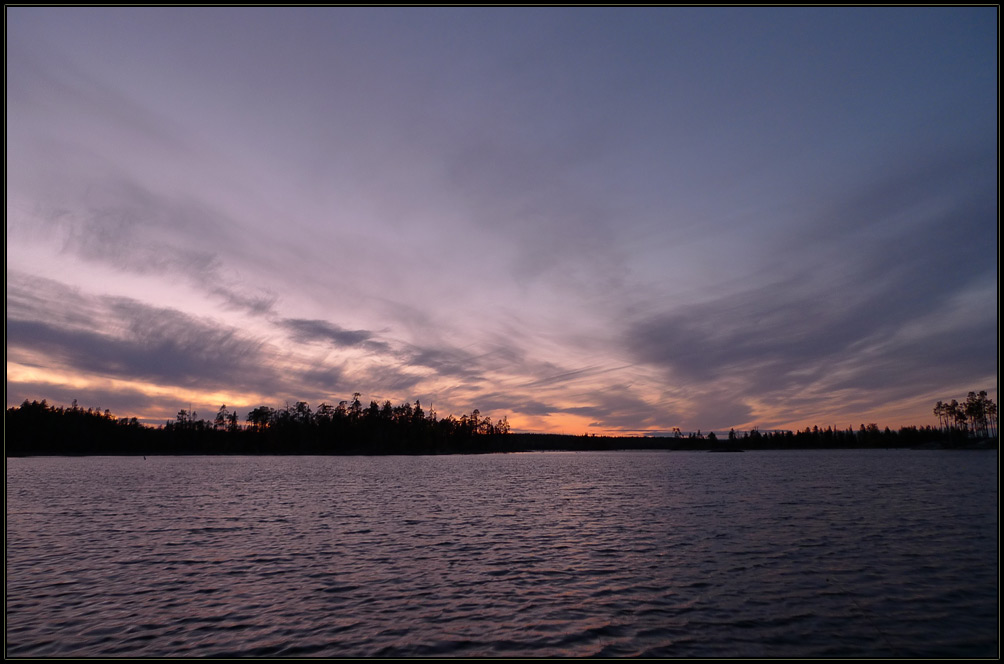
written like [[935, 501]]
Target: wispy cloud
[[151, 345], [864, 306], [318, 330]]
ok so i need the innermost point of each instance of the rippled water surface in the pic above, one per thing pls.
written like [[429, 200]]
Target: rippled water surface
[[822, 553]]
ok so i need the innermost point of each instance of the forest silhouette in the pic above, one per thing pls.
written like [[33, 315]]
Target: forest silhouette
[[39, 429]]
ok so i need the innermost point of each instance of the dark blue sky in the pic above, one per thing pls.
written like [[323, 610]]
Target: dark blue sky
[[587, 219]]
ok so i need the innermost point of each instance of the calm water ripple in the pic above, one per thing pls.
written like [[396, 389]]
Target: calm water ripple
[[772, 554]]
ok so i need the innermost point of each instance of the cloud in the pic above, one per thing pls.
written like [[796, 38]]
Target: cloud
[[328, 379], [162, 347], [613, 407], [446, 361], [122, 402], [619, 407], [388, 379], [503, 403], [127, 339], [261, 304], [917, 192], [318, 330], [115, 221], [111, 178], [31, 298], [49, 92], [765, 327], [925, 361], [862, 305], [779, 340]]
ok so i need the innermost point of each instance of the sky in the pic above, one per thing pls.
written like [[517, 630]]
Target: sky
[[588, 220]]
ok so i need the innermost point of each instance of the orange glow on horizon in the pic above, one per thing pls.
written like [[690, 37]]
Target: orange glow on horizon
[[559, 423], [166, 401], [181, 397]]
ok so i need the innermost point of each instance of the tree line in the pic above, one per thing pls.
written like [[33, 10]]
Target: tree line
[[405, 418], [976, 416], [37, 428]]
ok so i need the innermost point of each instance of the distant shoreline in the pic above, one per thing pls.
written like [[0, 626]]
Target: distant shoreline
[[38, 429], [515, 443]]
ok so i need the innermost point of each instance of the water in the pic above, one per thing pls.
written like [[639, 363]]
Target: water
[[772, 554]]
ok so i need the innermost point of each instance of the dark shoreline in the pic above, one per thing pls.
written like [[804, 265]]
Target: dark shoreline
[[37, 429], [509, 444]]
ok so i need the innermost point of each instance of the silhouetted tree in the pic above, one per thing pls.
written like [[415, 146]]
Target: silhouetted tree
[[260, 418], [222, 421], [941, 411], [977, 409], [977, 416]]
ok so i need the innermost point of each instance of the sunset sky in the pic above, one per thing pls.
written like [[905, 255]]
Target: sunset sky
[[586, 219]]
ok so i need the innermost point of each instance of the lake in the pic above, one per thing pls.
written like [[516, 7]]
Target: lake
[[849, 553]]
